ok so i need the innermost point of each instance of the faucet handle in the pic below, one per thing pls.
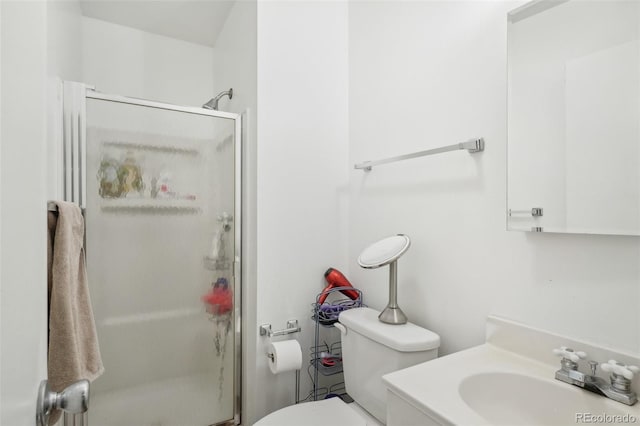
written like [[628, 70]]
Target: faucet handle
[[569, 353], [627, 371]]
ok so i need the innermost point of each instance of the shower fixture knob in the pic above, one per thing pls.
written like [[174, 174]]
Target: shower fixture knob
[[627, 371], [570, 354]]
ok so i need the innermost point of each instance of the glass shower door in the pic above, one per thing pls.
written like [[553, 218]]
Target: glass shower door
[[161, 253]]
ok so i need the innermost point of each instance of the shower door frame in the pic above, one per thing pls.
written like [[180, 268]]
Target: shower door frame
[[71, 153]]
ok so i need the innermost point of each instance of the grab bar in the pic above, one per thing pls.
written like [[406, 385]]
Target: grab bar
[[472, 145]]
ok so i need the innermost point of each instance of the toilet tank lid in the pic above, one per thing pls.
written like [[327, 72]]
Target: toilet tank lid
[[403, 338]]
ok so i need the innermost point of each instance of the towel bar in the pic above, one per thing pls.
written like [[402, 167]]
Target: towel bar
[[53, 207], [534, 211], [472, 146]]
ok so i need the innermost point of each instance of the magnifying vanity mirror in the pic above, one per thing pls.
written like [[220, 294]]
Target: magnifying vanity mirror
[[387, 252], [574, 117]]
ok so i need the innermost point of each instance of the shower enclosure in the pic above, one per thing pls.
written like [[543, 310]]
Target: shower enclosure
[[160, 185]]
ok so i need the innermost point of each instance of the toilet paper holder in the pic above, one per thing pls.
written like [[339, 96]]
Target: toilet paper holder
[[292, 327]]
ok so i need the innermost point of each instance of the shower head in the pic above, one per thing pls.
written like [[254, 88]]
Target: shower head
[[213, 102]]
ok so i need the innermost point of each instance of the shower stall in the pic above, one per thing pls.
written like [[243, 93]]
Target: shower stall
[[160, 185]]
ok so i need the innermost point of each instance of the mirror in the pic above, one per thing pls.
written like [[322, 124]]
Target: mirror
[[574, 117], [387, 252], [384, 251]]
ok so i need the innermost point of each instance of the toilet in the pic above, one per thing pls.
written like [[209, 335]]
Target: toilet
[[370, 349]]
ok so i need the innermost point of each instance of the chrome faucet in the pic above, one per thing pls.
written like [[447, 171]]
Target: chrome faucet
[[619, 388]]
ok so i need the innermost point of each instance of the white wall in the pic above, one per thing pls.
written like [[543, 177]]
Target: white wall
[[64, 40], [302, 173], [130, 62], [235, 66], [234, 58], [426, 74], [64, 62], [23, 292]]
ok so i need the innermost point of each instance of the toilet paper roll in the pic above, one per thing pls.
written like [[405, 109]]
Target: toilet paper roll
[[287, 356]]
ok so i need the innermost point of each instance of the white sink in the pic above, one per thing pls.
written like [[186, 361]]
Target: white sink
[[516, 399], [510, 380]]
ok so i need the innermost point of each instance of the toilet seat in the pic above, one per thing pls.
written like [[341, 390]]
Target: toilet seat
[[332, 411]]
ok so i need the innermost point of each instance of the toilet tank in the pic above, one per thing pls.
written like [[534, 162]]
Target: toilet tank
[[371, 349]]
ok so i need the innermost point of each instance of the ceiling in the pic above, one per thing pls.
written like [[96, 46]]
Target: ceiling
[[196, 21]]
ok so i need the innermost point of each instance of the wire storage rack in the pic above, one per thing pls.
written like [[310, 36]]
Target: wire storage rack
[[325, 358]]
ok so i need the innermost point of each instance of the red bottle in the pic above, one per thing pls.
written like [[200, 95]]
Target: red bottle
[[219, 299]]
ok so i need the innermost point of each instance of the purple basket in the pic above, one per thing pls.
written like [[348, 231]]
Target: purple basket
[[327, 313]]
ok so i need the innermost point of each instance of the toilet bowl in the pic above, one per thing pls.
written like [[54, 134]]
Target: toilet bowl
[[326, 412], [370, 349]]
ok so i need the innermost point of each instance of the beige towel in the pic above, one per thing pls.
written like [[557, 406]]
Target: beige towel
[[73, 343]]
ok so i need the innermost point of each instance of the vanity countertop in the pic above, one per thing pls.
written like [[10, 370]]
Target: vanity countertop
[[489, 384]]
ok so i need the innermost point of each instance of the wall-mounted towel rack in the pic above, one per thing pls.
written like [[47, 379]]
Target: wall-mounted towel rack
[[533, 211], [53, 207], [472, 145]]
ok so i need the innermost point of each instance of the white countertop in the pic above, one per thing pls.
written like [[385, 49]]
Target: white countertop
[[433, 387]]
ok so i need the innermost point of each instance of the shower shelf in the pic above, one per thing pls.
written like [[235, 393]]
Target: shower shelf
[[159, 204], [327, 371], [323, 351], [216, 264], [323, 392], [168, 149]]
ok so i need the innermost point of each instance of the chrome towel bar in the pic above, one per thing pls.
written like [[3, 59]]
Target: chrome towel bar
[[53, 207], [534, 211], [472, 145]]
